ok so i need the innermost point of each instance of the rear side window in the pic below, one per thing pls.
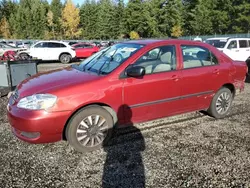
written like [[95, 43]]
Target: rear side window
[[88, 46], [197, 56], [243, 43], [249, 43], [56, 45]]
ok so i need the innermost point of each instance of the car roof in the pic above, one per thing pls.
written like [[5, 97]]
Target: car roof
[[160, 41], [218, 38], [56, 41]]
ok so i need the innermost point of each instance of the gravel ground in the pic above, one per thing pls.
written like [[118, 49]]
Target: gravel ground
[[191, 150]]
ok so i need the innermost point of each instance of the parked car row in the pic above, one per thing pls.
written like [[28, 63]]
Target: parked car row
[[61, 51]]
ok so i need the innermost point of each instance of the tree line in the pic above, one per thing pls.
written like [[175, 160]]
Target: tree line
[[113, 19]]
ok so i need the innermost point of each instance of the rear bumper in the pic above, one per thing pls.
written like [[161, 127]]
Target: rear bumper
[[37, 126]]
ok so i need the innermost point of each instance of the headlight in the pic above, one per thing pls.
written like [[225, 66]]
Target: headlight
[[37, 102]]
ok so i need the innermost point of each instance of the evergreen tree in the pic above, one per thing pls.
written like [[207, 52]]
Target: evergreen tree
[[89, 15], [201, 18], [56, 8], [170, 17], [29, 21], [137, 18], [105, 20]]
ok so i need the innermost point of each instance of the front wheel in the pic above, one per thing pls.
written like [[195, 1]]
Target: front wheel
[[65, 58], [221, 103], [24, 56], [89, 129]]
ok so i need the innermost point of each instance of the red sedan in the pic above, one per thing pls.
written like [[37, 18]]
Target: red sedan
[[126, 83], [84, 50]]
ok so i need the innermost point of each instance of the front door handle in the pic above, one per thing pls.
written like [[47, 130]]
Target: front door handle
[[175, 78]]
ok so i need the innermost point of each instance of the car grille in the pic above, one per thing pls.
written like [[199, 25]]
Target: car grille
[[15, 95]]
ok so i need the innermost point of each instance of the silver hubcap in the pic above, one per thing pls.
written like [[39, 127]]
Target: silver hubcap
[[65, 58], [92, 131], [223, 103]]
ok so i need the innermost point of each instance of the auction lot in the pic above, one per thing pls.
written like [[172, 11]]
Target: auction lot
[[191, 150]]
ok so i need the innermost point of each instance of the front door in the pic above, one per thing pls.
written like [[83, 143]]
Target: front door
[[39, 51], [156, 94], [232, 50]]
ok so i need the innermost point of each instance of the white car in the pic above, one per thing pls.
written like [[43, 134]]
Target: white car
[[51, 51], [237, 49]]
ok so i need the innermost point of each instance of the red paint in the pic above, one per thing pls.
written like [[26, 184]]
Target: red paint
[[76, 89], [83, 52]]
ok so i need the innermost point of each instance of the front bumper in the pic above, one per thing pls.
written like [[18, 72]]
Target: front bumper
[[37, 126]]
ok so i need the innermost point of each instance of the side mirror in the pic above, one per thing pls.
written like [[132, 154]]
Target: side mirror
[[137, 71]]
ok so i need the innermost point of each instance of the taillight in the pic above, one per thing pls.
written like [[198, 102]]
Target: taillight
[[73, 49]]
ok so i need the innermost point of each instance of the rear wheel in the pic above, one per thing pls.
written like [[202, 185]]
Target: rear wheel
[[221, 103], [248, 73], [65, 58], [89, 129]]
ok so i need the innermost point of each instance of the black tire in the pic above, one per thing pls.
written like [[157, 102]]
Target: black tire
[[77, 133], [65, 58], [24, 56], [221, 105], [248, 65]]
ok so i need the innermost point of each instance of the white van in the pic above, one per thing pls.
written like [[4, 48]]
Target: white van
[[235, 48]]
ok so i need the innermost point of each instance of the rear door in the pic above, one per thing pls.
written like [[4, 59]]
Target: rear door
[[157, 93], [200, 72], [55, 49], [244, 52]]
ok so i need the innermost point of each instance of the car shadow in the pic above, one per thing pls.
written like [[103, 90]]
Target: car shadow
[[124, 164]]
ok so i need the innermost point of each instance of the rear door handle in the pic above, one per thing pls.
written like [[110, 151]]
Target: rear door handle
[[216, 71], [175, 78]]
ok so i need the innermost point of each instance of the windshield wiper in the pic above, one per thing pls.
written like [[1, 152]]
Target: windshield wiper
[[83, 68], [111, 59]]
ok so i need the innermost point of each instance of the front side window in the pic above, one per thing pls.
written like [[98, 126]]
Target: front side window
[[108, 59], [160, 59], [41, 45], [196, 56], [243, 43], [232, 44]]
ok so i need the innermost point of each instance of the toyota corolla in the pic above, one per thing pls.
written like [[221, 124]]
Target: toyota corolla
[[129, 82]]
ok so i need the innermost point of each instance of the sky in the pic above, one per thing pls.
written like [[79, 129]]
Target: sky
[[75, 1]]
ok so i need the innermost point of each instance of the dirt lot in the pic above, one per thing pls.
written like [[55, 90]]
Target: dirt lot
[[191, 150]]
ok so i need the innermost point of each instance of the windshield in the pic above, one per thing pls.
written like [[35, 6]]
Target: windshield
[[108, 59], [217, 43], [7, 46]]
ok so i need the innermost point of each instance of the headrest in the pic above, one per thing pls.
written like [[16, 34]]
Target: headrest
[[166, 57], [203, 55]]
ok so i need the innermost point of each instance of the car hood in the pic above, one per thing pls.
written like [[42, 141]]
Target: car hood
[[49, 81]]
